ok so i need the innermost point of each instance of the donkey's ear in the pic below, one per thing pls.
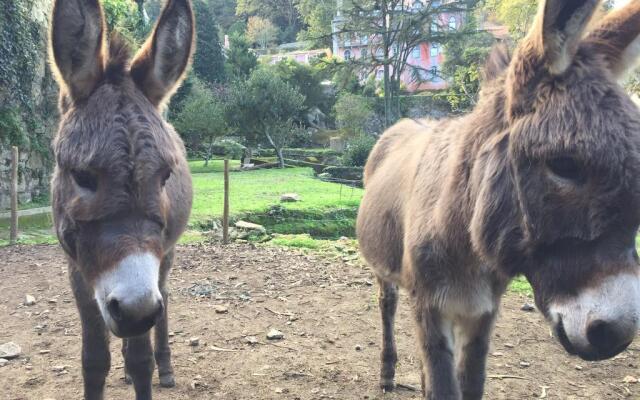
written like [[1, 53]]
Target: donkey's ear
[[558, 31], [617, 37], [77, 46], [159, 66]]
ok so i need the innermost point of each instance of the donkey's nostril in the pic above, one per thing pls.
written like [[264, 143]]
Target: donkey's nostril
[[113, 306], [608, 338]]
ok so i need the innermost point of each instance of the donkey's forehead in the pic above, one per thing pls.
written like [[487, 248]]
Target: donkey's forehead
[[115, 129]]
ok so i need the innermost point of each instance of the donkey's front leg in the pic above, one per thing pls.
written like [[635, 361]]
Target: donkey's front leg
[[435, 340], [96, 359], [472, 346], [388, 303], [162, 350], [139, 364]]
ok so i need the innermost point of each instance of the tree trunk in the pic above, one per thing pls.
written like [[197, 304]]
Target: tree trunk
[[277, 148], [209, 155]]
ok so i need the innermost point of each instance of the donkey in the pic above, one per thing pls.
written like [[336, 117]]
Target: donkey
[[540, 179], [121, 189]]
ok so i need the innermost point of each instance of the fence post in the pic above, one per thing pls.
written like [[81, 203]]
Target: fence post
[[13, 235], [225, 213]]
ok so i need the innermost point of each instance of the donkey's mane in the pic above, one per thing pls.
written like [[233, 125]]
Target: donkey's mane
[[119, 58]]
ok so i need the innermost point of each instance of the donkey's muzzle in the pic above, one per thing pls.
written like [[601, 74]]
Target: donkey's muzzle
[[609, 338], [128, 321]]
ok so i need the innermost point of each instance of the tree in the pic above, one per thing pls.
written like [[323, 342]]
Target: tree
[[263, 108], [240, 59], [517, 15], [261, 31], [306, 80], [282, 13], [208, 61], [352, 113], [202, 118], [123, 16], [317, 16], [393, 28], [464, 59]]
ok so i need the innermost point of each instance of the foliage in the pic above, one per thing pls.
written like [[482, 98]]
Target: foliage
[[240, 59], [352, 113], [317, 16], [282, 13], [201, 117], [358, 150], [306, 80], [261, 31], [208, 61], [227, 148], [517, 15], [263, 107], [123, 17], [464, 59]]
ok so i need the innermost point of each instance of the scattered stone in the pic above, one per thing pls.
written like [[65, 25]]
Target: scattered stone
[[29, 300], [10, 350], [497, 354], [52, 301], [290, 197], [281, 390], [528, 307], [194, 341], [358, 347], [58, 368], [45, 351], [579, 367], [275, 334], [251, 340], [3, 362], [525, 364], [248, 226], [630, 379], [220, 309]]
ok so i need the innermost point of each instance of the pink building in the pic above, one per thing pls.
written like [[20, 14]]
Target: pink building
[[424, 61]]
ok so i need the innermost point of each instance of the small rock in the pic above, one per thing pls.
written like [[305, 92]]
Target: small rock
[[275, 334], [579, 367], [194, 341], [497, 354], [525, 364], [58, 368], [281, 390], [251, 340], [219, 309], [29, 300], [45, 351], [630, 379], [290, 197], [3, 362], [10, 350], [528, 307], [358, 347], [52, 301], [248, 226]]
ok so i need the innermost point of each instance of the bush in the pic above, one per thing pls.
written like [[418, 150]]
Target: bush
[[358, 150], [352, 113], [227, 148]]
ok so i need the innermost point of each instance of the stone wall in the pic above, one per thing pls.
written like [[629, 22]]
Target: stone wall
[[28, 97]]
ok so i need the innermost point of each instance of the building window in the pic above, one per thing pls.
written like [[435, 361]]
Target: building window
[[453, 24], [435, 50], [434, 27], [415, 53], [435, 73], [379, 53], [347, 55]]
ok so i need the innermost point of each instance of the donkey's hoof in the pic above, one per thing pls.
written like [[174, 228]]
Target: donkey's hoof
[[167, 380], [127, 379], [387, 385]]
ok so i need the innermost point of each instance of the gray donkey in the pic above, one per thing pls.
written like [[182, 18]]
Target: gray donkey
[[121, 188], [542, 179]]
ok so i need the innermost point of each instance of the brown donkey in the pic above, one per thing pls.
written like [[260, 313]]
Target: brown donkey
[[541, 179], [121, 188]]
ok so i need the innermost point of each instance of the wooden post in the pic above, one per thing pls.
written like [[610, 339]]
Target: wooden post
[[13, 235], [225, 213]]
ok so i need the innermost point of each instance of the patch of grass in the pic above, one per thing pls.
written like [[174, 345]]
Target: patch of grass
[[303, 241], [521, 286], [197, 166], [254, 195]]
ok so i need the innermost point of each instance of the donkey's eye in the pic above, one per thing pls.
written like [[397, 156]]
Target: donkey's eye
[[85, 179], [566, 168], [165, 176]]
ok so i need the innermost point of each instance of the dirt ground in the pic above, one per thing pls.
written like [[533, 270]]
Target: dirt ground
[[326, 309]]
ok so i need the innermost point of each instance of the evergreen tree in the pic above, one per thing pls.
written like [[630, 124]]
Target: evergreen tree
[[208, 62]]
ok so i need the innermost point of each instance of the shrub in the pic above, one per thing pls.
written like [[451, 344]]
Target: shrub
[[352, 113], [227, 148], [358, 150]]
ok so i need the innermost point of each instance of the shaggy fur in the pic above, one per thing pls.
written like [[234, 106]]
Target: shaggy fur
[[121, 185], [541, 179]]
